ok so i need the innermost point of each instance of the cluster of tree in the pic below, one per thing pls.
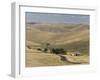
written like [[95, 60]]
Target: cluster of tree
[[52, 50], [58, 51]]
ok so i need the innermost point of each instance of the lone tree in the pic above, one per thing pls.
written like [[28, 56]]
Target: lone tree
[[46, 47]]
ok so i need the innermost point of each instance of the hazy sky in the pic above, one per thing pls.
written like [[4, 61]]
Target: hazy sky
[[56, 18]]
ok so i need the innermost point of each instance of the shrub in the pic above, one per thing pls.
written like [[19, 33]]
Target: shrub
[[45, 50]]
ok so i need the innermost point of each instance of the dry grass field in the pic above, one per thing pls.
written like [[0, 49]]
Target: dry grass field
[[70, 37]]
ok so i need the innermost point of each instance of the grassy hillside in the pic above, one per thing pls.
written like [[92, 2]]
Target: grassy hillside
[[67, 35], [41, 59]]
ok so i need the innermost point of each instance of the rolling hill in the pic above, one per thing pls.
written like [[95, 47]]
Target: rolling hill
[[59, 34], [71, 37]]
